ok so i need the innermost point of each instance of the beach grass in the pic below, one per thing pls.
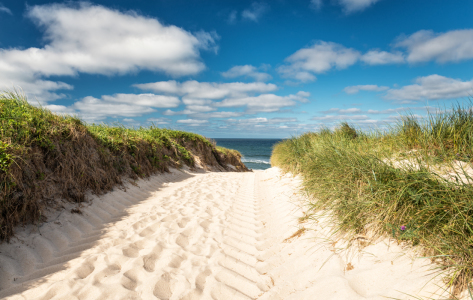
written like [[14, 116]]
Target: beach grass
[[392, 182], [46, 156]]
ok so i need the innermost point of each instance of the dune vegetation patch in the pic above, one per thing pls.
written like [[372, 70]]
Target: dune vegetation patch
[[46, 156], [411, 182]]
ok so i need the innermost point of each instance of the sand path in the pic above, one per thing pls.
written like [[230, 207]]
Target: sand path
[[200, 236]]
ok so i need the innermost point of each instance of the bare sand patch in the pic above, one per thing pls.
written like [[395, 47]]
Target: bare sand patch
[[185, 235]]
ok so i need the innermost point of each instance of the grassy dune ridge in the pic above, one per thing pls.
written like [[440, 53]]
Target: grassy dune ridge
[[354, 176], [45, 157]]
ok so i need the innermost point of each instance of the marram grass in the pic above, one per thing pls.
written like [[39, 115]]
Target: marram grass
[[348, 173], [45, 157]]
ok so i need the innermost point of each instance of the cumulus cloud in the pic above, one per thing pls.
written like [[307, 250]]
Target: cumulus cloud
[[5, 9], [376, 57], [451, 46], [218, 114], [151, 100], [348, 6], [376, 112], [203, 98], [92, 109], [192, 122], [117, 105], [432, 87], [193, 90], [61, 109], [255, 12], [332, 118], [352, 6], [249, 122], [247, 71], [319, 58], [264, 102], [92, 39], [342, 111], [159, 121], [422, 46], [261, 103], [391, 110], [368, 87]]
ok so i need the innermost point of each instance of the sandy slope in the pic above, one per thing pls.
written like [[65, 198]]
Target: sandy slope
[[201, 236]]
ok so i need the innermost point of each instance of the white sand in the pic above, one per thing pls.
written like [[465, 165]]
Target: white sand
[[202, 236]]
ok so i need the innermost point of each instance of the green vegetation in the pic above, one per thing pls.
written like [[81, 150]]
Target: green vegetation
[[45, 156], [354, 176]]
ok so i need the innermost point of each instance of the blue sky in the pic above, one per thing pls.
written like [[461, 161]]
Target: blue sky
[[239, 68]]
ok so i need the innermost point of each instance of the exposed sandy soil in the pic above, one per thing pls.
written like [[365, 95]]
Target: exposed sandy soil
[[185, 235]]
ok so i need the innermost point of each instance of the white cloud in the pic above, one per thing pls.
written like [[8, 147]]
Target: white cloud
[[351, 6], [375, 112], [282, 120], [451, 46], [151, 100], [255, 11], [190, 110], [348, 6], [218, 114], [117, 105], [369, 87], [390, 110], [375, 57], [201, 98], [88, 38], [342, 111], [333, 118], [192, 122], [92, 109], [250, 120], [60, 109], [159, 121], [5, 9], [207, 90], [319, 58], [432, 87], [246, 70], [262, 103], [36, 89]]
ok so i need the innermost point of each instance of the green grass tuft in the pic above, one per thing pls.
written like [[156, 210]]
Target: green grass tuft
[[45, 156], [354, 175]]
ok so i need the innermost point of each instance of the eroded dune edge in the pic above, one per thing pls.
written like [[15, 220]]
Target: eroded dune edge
[[186, 235]]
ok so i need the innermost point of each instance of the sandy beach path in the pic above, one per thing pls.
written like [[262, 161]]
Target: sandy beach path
[[198, 236]]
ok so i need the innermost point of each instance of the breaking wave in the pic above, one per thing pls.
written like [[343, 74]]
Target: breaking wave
[[255, 161]]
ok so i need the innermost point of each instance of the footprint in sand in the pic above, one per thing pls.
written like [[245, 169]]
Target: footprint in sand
[[130, 280], [162, 289], [176, 261], [150, 229], [182, 223], [183, 241], [85, 270], [131, 251], [149, 261], [109, 271], [201, 279], [205, 224]]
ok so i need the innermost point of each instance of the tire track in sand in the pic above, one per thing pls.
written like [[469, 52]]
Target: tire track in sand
[[196, 236], [204, 238]]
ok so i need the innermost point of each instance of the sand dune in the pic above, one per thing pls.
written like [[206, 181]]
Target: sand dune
[[188, 235]]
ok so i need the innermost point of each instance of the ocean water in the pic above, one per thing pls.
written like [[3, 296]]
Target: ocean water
[[255, 152]]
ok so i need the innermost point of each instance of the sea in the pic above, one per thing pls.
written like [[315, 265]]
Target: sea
[[255, 152]]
